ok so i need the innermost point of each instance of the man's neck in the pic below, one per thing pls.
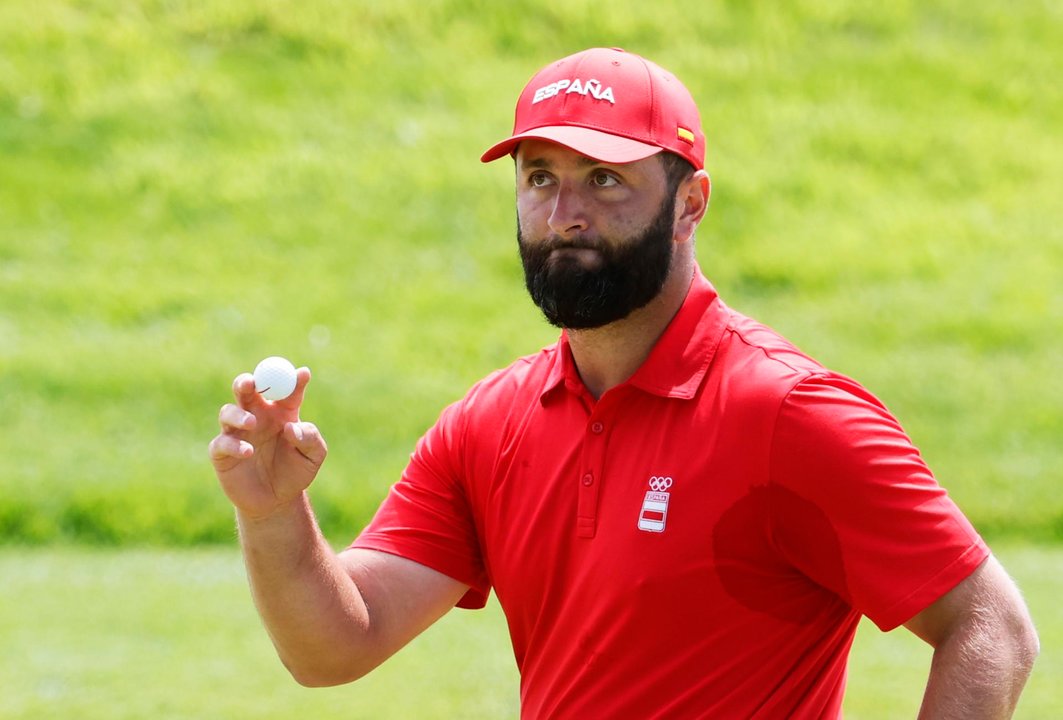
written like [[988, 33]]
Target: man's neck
[[607, 356]]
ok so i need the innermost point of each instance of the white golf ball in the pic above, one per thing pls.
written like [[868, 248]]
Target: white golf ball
[[275, 378]]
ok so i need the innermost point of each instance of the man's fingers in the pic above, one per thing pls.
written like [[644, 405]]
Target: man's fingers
[[247, 396], [224, 447], [244, 390], [295, 400], [306, 438], [233, 418]]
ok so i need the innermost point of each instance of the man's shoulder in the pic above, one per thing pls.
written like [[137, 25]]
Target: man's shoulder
[[522, 380], [762, 363], [755, 342]]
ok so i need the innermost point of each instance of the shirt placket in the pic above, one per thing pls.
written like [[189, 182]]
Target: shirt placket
[[592, 464]]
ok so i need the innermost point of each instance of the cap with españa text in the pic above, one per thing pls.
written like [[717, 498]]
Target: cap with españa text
[[609, 105]]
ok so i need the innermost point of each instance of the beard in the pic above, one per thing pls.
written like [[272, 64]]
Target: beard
[[630, 274]]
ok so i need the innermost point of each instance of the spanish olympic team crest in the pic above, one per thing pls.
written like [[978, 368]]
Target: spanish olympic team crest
[[655, 505]]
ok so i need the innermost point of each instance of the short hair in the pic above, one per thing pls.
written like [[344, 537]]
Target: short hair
[[676, 170]]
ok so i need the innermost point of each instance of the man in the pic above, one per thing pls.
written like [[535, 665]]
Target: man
[[681, 515]]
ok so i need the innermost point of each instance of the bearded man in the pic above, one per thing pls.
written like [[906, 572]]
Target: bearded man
[[681, 514]]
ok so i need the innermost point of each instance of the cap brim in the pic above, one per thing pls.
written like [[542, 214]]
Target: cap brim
[[594, 144]]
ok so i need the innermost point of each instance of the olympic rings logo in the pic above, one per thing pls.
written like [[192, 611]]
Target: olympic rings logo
[[660, 484]]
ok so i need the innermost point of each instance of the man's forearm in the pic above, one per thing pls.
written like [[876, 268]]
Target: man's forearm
[[978, 674], [308, 603]]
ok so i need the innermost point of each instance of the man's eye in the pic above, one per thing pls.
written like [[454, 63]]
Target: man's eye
[[538, 179], [604, 180]]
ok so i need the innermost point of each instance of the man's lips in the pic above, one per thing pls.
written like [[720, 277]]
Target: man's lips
[[581, 253]]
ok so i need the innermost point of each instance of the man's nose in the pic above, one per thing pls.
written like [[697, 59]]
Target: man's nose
[[568, 216]]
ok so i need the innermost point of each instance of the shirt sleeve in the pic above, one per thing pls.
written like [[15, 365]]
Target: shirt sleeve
[[857, 510], [426, 515]]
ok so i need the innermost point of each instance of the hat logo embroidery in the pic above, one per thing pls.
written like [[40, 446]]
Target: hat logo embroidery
[[590, 87]]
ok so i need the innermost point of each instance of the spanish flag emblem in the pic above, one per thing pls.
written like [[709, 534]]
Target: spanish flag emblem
[[685, 135]]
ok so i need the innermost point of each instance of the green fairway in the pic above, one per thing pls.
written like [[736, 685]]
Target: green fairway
[[125, 635], [186, 188], [113, 635]]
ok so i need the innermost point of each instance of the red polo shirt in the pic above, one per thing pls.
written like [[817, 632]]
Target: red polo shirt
[[699, 542]]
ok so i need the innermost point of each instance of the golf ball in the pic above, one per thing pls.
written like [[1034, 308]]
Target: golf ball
[[275, 378]]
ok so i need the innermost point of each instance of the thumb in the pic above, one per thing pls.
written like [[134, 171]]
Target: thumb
[[307, 439]]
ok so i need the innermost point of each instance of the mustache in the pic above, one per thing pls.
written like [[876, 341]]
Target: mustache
[[579, 242]]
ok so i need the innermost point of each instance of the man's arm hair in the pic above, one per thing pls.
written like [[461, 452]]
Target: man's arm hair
[[333, 618], [984, 647]]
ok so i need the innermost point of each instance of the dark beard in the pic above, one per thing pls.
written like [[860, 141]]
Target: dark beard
[[630, 275]]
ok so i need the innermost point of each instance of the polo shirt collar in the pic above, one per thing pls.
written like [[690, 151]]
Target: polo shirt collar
[[678, 362]]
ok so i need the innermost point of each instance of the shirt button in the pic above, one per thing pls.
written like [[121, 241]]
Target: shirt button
[[588, 480], [597, 428]]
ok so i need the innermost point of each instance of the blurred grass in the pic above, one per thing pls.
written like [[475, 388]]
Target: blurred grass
[[188, 187], [113, 635], [116, 635]]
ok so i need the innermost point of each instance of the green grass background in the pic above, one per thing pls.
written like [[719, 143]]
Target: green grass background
[[187, 187], [103, 634]]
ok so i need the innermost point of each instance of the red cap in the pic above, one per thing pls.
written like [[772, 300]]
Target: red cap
[[608, 105]]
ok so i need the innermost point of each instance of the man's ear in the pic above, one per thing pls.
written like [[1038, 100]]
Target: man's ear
[[692, 201]]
